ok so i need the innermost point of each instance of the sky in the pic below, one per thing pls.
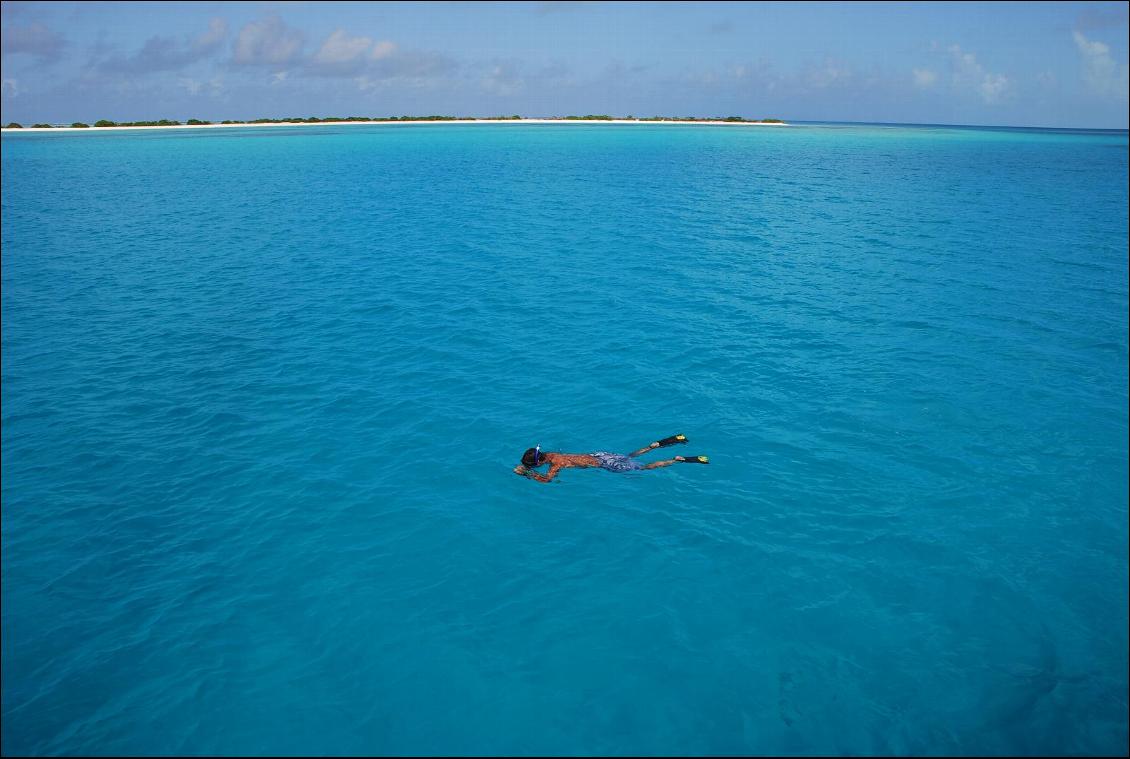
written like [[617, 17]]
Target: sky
[[1016, 63]]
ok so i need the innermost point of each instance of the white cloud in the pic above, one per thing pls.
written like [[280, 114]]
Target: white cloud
[[217, 30], [830, 74], [992, 87], [168, 53], [195, 87], [1103, 76], [383, 49], [269, 41], [340, 48], [408, 68], [344, 56], [543, 8], [9, 88], [36, 40], [968, 74], [368, 83], [924, 78], [191, 86], [504, 79]]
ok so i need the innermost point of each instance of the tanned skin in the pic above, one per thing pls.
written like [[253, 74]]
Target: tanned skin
[[559, 461]]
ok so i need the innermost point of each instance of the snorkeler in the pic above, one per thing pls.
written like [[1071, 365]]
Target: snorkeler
[[613, 462]]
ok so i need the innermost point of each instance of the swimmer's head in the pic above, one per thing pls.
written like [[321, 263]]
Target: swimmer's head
[[533, 457]]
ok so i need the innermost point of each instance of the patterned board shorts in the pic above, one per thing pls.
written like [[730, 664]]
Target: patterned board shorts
[[616, 462]]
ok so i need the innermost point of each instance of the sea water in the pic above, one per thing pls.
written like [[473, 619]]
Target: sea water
[[263, 390]]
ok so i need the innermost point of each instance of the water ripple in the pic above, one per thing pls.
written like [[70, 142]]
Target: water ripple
[[257, 444]]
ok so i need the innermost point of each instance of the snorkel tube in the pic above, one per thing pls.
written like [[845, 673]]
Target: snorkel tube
[[537, 454]]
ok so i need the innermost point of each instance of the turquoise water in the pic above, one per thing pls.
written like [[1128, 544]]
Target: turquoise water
[[263, 391]]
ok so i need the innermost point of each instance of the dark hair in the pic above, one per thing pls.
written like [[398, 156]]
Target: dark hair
[[528, 458]]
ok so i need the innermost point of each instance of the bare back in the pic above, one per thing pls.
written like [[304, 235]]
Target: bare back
[[557, 462]]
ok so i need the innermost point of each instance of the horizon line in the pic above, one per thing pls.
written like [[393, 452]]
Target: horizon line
[[105, 124], [969, 126]]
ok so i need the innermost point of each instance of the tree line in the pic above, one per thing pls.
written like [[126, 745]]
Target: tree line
[[329, 119]]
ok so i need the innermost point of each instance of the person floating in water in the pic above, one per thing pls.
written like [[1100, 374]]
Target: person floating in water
[[613, 462]]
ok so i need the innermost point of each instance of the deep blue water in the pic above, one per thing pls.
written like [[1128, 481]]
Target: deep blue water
[[263, 390]]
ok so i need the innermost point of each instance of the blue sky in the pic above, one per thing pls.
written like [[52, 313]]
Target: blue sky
[[1022, 63]]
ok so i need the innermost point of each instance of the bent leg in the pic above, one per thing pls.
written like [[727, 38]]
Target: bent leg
[[673, 440]]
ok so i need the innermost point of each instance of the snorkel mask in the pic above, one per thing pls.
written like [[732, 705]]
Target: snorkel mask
[[532, 458]]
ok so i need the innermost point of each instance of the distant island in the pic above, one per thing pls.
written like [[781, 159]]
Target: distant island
[[107, 124]]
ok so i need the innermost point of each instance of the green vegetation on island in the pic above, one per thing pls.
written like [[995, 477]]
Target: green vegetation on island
[[108, 123], [42, 126], [332, 119], [728, 119], [382, 119]]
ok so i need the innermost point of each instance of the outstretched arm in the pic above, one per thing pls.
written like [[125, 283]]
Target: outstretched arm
[[530, 473]]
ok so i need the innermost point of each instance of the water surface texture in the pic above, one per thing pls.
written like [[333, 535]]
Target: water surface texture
[[263, 390]]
